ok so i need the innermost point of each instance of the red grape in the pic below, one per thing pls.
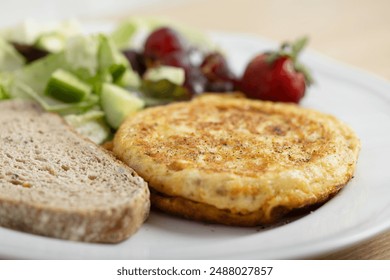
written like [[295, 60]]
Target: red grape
[[219, 76], [215, 68], [162, 42]]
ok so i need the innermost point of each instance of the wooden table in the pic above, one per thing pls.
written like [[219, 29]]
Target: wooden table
[[355, 32]]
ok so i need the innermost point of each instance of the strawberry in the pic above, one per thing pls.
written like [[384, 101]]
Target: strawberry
[[277, 76]]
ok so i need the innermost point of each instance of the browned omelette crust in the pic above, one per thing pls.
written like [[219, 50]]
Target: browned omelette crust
[[242, 157], [202, 212]]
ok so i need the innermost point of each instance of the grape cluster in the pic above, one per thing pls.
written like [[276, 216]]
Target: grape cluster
[[165, 46]]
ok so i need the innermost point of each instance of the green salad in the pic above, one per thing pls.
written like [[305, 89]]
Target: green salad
[[86, 78]]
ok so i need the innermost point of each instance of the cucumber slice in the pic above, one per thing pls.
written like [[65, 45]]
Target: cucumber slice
[[23, 91], [129, 79], [117, 103], [67, 87], [52, 42], [175, 75]]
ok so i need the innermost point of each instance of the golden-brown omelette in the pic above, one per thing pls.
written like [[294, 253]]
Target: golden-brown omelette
[[237, 161]]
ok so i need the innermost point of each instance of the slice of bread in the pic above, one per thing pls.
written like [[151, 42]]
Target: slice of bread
[[53, 182]]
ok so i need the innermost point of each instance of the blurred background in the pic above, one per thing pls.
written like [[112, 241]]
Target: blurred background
[[356, 32]]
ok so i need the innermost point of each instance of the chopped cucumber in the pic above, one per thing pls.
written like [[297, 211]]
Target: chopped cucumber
[[52, 42], [117, 103], [67, 87], [129, 79], [175, 75], [23, 91]]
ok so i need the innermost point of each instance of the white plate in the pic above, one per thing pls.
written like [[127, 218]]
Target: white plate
[[359, 211]]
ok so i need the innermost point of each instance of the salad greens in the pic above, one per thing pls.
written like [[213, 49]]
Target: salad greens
[[69, 80], [10, 59], [91, 124], [50, 36], [85, 77]]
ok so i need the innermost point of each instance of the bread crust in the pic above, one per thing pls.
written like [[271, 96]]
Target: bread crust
[[54, 182], [248, 158]]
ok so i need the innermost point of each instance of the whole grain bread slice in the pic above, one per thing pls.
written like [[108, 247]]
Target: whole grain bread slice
[[55, 183]]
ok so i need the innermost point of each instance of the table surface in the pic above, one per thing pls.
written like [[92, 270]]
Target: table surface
[[355, 32]]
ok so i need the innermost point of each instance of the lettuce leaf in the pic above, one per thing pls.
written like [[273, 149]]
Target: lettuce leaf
[[90, 124], [10, 59]]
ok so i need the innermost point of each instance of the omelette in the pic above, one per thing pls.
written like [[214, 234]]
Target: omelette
[[234, 161]]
